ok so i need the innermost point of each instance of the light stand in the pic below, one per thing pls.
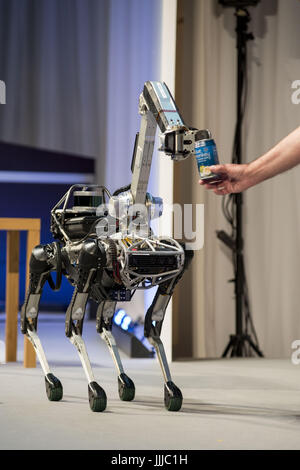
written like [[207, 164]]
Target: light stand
[[240, 343]]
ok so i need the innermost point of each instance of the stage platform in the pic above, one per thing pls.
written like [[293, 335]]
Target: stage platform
[[228, 403]]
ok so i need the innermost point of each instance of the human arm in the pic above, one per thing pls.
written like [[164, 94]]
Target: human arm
[[236, 178]]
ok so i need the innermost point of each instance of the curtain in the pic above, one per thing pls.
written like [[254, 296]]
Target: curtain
[[271, 209], [133, 58], [54, 63], [74, 70]]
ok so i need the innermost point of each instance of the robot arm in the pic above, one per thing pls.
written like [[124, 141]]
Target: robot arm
[[157, 108]]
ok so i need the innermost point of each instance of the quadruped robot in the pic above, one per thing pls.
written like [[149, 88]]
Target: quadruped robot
[[107, 250]]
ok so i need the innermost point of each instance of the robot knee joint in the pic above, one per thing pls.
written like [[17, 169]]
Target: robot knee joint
[[39, 253], [38, 260], [90, 247], [89, 254]]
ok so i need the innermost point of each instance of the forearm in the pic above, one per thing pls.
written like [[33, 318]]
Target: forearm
[[282, 157]]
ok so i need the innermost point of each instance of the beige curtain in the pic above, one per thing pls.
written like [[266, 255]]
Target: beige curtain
[[206, 86], [74, 70]]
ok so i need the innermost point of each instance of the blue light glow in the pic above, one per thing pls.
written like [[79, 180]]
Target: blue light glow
[[119, 316], [122, 319], [126, 322]]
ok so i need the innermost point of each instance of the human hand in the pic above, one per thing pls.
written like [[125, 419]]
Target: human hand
[[235, 179]]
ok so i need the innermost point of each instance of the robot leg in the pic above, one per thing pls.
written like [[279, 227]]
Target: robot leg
[[153, 324], [88, 265], [105, 314], [42, 260], [96, 394], [54, 389]]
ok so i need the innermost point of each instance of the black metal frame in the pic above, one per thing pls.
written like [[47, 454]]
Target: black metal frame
[[240, 343]]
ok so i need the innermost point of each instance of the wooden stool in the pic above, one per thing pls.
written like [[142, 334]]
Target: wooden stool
[[13, 227]]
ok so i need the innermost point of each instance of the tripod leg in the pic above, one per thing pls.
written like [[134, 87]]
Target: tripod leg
[[105, 314], [254, 347], [41, 263], [234, 350], [227, 349]]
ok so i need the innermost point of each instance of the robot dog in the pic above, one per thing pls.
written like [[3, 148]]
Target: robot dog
[[106, 249]]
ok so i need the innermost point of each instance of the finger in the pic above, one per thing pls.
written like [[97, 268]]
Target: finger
[[209, 185], [218, 169], [221, 191], [206, 185], [222, 188]]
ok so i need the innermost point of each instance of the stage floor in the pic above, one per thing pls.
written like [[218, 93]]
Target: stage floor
[[228, 403]]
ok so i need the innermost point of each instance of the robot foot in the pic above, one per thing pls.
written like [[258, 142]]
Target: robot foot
[[173, 397], [125, 384], [97, 397], [54, 387], [126, 387], [96, 394]]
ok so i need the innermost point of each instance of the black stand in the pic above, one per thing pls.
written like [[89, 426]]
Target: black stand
[[240, 343]]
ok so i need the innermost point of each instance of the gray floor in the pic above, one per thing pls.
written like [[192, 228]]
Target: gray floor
[[228, 404]]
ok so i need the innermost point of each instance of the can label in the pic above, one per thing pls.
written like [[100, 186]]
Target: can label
[[206, 155]]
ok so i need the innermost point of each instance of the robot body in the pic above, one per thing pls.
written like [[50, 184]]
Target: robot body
[[105, 247]]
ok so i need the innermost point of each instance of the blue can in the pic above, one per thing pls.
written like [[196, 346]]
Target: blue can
[[206, 155]]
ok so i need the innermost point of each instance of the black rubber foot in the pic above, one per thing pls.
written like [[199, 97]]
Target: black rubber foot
[[97, 397], [126, 388], [173, 397], [54, 388]]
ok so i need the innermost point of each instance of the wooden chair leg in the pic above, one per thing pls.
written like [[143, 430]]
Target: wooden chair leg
[[12, 295], [33, 239]]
